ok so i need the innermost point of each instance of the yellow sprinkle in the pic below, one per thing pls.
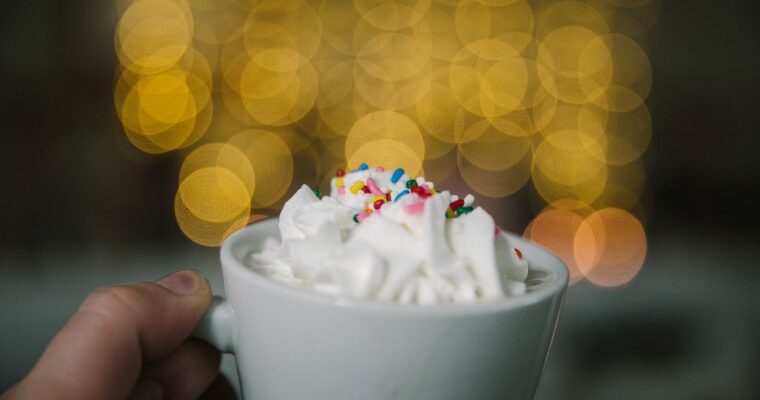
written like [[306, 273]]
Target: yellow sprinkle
[[451, 213], [338, 182], [379, 198], [356, 187], [433, 191]]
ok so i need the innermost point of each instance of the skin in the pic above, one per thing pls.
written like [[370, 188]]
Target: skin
[[131, 342]]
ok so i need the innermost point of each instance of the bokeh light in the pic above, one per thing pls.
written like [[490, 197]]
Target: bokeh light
[[260, 97], [610, 247], [555, 229]]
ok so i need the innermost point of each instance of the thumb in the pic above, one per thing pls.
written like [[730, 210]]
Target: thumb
[[98, 354]]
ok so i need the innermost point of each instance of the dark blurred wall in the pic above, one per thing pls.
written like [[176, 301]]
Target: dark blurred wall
[[69, 177], [704, 159]]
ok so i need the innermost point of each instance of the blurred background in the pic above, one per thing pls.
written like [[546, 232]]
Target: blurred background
[[136, 135]]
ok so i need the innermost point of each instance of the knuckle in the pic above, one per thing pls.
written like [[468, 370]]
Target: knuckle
[[113, 302]]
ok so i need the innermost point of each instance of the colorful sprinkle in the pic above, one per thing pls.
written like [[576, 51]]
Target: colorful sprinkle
[[415, 208], [496, 230], [519, 253], [397, 174], [456, 204], [356, 187], [400, 195], [317, 193], [383, 194], [373, 187], [463, 210]]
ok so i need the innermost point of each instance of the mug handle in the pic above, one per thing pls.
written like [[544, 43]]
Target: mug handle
[[217, 326]]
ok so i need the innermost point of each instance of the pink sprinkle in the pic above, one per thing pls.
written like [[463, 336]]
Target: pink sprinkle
[[415, 208], [380, 169], [362, 216], [342, 190], [373, 188], [496, 230]]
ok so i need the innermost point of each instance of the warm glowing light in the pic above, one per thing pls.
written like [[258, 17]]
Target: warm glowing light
[[387, 152], [495, 183], [437, 113], [385, 125], [610, 247], [506, 93], [509, 21], [627, 135], [152, 35], [272, 164], [631, 78], [570, 13], [223, 156], [490, 149], [556, 230], [392, 15]]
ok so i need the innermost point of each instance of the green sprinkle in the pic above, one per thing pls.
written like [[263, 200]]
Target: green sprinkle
[[411, 183], [317, 193], [463, 210], [356, 218]]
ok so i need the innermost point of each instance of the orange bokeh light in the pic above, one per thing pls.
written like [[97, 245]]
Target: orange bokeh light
[[610, 247], [556, 230]]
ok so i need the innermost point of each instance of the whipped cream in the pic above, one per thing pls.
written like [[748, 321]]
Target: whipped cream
[[384, 236]]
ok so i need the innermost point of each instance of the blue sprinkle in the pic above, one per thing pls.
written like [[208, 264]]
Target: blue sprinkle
[[397, 175], [363, 167], [400, 195]]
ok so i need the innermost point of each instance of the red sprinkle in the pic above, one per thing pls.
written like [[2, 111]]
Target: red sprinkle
[[417, 190], [365, 189], [426, 191], [378, 204], [456, 204], [340, 172], [388, 197], [519, 253], [496, 230]]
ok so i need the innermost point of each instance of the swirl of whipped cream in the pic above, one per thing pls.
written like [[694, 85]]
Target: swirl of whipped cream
[[412, 248]]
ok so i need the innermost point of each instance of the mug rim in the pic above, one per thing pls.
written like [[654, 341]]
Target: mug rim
[[547, 262]]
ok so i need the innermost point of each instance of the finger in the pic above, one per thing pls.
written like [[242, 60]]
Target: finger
[[146, 390], [98, 354], [220, 389], [186, 372]]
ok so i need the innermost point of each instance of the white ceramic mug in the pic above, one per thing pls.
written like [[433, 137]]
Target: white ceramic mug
[[291, 343]]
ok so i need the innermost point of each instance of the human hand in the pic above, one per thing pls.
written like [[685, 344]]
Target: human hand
[[132, 342]]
